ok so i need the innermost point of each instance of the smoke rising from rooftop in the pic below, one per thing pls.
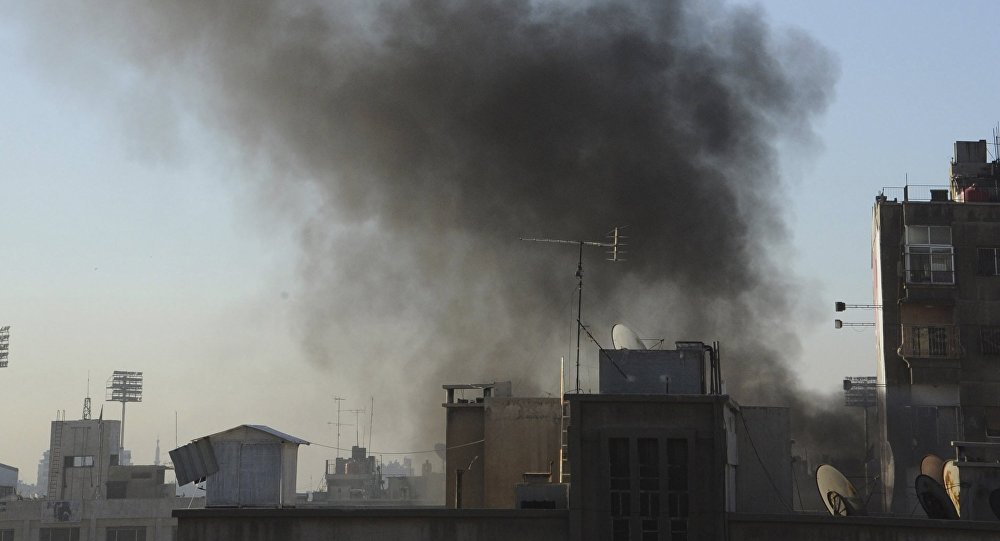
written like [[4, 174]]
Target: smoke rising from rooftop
[[432, 134]]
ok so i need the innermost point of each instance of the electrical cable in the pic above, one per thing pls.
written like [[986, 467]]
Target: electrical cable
[[371, 452], [777, 492]]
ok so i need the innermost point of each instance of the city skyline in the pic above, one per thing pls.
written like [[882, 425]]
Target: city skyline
[[135, 240]]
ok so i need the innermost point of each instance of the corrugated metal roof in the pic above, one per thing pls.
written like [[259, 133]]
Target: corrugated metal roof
[[267, 430], [282, 435]]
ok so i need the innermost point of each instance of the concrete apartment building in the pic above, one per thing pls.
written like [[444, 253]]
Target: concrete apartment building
[[936, 265]]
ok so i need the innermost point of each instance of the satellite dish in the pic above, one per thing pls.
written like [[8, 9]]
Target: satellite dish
[[995, 502], [951, 484], [933, 466], [623, 337], [933, 498], [839, 495]]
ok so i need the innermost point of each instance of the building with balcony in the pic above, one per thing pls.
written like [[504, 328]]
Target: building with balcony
[[936, 265]]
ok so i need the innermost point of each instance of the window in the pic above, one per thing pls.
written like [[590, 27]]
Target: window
[[79, 462], [128, 533], [59, 534], [930, 341], [649, 488], [989, 340], [6, 535], [642, 471], [117, 490], [989, 261], [929, 255], [677, 488], [621, 490]]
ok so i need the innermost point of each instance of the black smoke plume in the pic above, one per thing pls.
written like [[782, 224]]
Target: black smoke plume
[[431, 134]]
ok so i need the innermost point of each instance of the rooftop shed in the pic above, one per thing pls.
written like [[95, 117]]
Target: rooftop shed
[[257, 468]]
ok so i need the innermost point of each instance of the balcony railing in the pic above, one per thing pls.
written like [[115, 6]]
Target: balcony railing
[[933, 341]]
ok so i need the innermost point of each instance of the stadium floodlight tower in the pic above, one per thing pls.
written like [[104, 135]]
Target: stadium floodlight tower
[[4, 344], [124, 387]]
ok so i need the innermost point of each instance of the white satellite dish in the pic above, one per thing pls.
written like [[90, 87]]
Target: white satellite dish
[[839, 495], [623, 337], [951, 484]]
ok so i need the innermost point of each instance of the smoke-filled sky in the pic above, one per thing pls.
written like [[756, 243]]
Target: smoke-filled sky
[[263, 205]]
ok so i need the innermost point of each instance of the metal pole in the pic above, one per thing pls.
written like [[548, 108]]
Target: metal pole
[[579, 314], [867, 486], [121, 444]]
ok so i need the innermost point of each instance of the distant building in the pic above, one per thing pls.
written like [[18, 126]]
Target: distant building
[[8, 481], [936, 264], [91, 495], [42, 481], [81, 454]]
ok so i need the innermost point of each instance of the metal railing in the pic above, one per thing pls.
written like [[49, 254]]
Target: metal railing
[[965, 191], [937, 341]]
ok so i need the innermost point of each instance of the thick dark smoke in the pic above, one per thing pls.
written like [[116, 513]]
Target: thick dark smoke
[[433, 133]]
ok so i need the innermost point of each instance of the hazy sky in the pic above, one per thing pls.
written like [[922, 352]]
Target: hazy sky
[[133, 242]]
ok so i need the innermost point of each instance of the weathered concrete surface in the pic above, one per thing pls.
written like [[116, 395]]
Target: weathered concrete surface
[[744, 527], [367, 524], [522, 435]]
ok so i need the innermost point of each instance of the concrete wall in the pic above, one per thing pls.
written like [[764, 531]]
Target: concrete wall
[[655, 371], [464, 424], [522, 435], [82, 438], [367, 524], [827, 528], [764, 477], [94, 517], [698, 419]]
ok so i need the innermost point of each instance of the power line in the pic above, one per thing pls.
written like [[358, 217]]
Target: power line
[[370, 452]]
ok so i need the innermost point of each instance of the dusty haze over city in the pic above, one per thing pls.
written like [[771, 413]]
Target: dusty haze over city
[[263, 205]]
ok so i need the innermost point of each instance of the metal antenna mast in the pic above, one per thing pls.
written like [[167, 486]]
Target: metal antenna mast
[[614, 255], [86, 401], [357, 420], [338, 400]]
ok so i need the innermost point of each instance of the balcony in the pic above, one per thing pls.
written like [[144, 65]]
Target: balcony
[[931, 342]]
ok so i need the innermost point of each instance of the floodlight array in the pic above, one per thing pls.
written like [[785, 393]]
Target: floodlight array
[[124, 387], [4, 345]]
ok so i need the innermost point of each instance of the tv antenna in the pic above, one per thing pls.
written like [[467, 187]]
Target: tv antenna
[[614, 254], [338, 400]]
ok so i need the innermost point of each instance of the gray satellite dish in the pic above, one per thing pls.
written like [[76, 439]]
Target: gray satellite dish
[[839, 495], [933, 466], [623, 337], [934, 499]]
